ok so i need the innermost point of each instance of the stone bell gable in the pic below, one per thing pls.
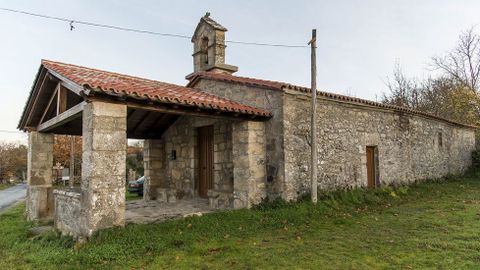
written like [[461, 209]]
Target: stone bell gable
[[209, 47]]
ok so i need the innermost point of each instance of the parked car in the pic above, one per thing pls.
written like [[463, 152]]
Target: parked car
[[136, 186]]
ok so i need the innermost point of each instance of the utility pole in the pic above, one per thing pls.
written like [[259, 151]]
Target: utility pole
[[72, 162], [313, 124]]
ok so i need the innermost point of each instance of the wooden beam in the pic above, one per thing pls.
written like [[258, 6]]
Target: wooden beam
[[77, 89], [36, 94], [147, 113], [160, 118], [187, 110], [130, 113], [49, 104], [61, 99], [62, 118]]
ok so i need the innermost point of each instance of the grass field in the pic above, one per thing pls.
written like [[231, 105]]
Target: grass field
[[5, 186], [434, 225]]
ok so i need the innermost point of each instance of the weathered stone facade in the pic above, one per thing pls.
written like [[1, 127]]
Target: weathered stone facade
[[238, 162], [270, 100], [179, 176], [410, 147], [39, 204]]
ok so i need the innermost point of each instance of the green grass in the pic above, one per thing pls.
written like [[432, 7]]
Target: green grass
[[434, 225], [5, 186], [131, 196]]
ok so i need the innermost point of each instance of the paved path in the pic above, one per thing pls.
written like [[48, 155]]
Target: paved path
[[11, 195], [141, 212]]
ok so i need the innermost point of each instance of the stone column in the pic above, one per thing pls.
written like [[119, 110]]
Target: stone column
[[103, 166], [154, 168], [249, 172], [39, 202]]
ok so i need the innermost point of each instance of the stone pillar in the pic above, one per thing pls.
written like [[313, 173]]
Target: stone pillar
[[154, 169], [103, 166], [249, 172], [39, 202]]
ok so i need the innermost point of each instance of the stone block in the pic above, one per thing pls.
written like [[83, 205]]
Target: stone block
[[68, 218], [107, 109], [39, 203], [220, 199]]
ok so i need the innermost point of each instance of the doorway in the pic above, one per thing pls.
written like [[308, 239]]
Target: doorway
[[205, 160], [371, 167]]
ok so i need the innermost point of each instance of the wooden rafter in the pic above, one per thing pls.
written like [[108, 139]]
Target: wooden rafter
[[68, 83], [147, 113], [42, 84], [49, 104], [61, 99]]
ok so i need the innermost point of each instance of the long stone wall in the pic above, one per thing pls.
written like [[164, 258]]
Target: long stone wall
[[409, 147]]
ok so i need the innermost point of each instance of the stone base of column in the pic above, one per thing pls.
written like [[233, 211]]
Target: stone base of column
[[39, 203]]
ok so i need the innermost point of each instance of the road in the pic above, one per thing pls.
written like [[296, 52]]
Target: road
[[11, 195]]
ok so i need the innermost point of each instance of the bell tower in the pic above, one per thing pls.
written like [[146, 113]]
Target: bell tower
[[209, 47]]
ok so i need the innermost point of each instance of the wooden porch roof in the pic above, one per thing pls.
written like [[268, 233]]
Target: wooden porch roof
[[60, 91]]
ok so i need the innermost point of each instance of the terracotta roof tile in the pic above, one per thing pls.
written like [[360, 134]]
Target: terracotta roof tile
[[281, 86], [235, 79], [139, 88]]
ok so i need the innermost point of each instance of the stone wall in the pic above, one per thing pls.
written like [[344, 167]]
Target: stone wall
[[68, 217], [271, 100], [180, 174], [409, 147]]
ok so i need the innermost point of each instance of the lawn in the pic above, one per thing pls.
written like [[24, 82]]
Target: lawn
[[5, 186], [434, 225]]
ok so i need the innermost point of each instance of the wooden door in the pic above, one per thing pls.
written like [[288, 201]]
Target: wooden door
[[205, 162], [371, 170]]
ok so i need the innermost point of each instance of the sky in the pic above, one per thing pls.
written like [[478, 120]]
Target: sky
[[359, 42]]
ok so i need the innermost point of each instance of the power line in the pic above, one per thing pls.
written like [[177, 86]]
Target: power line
[[120, 28], [12, 131]]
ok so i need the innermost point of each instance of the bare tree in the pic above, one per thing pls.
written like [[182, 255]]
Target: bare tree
[[403, 91], [463, 62], [442, 96]]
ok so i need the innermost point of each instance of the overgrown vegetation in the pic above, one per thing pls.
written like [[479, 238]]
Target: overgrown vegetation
[[432, 225]]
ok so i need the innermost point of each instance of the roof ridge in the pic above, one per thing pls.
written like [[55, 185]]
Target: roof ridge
[[108, 72], [333, 95]]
